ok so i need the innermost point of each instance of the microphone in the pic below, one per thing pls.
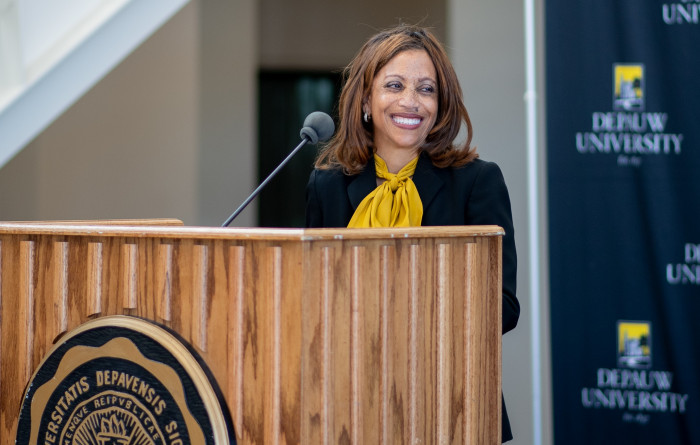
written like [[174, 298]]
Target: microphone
[[318, 127]]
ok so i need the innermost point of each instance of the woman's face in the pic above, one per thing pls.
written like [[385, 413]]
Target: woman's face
[[403, 102]]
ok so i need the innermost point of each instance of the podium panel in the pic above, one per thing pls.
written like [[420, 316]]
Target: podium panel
[[313, 336]]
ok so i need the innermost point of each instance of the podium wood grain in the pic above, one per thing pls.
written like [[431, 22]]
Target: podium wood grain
[[314, 336]]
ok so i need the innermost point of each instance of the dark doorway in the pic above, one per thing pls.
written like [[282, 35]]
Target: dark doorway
[[286, 98]]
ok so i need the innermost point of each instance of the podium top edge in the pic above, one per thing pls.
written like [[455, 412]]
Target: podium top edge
[[404, 232], [126, 230]]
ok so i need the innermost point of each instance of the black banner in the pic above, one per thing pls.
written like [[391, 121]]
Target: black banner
[[623, 138]]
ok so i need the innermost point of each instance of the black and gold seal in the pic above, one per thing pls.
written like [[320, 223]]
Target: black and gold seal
[[123, 380]]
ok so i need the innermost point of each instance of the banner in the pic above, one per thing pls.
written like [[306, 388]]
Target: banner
[[623, 138]]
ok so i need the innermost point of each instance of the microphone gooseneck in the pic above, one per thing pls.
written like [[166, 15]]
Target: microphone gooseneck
[[318, 127]]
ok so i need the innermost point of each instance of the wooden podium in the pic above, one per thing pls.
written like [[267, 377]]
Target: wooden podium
[[314, 336]]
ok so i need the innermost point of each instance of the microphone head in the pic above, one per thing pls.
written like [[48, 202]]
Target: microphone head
[[318, 127]]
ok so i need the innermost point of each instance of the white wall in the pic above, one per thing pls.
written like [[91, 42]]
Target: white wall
[[140, 143], [10, 49], [122, 149], [48, 29]]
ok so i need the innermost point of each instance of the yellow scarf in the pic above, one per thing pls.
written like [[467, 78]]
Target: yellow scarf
[[394, 203]]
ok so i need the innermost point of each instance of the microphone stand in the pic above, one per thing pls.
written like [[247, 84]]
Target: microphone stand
[[264, 183]]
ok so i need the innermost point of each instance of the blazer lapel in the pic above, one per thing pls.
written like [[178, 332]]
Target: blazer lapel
[[362, 185], [427, 180]]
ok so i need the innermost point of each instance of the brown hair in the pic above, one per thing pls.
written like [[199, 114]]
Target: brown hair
[[352, 145]]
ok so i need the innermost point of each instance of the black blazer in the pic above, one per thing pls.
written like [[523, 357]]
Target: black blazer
[[474, 194]]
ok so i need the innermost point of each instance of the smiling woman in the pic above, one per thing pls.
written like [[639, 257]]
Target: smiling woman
[[394, 161], [354, 143], [403, 105]]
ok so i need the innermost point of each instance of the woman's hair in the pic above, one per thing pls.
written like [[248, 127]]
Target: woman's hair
[[352, 145]]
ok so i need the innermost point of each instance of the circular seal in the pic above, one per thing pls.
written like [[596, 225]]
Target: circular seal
[[123, 380]]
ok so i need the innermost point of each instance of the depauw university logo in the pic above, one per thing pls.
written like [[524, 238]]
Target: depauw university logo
[[634, 344], [628, 87]]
